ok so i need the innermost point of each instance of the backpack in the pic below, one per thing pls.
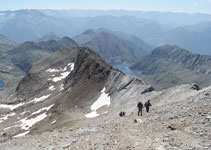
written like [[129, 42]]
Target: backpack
[[140, 105]]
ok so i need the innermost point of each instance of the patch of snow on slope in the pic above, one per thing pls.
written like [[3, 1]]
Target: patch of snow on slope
[[53, 122], [42, 109], [10, 127], [52, 70], [63, 75], [22, 134], [36, 100], [51, 88], [23, 113], [28, 123], [11, 107], [103, 100], [5, 117], [61, 88], [92, 114]]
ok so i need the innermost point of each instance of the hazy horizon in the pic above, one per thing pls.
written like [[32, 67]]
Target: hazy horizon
[[187, 6], [128, 10]]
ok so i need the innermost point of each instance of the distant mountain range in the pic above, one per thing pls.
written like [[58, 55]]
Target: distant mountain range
[[195, 38], [113, 48], [168, 66], [172, 19], [191, 31]]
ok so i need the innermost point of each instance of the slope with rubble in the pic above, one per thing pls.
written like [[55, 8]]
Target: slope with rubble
[[74, 97]]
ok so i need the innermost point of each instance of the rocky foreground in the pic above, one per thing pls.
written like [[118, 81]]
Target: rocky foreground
[[180, 118]]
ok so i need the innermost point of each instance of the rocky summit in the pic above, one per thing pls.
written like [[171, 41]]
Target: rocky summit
[[72, 100]]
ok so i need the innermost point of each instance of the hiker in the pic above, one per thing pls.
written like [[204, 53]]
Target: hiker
[[147, 105], [140, 107], [122, 114]]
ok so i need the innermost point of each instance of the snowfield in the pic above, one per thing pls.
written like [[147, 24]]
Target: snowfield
[[103, 100]]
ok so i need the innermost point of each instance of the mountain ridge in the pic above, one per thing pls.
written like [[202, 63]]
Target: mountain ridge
[[111, 47], [174, 65]]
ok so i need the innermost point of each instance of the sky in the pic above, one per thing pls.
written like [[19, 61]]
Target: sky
[[190, 6]]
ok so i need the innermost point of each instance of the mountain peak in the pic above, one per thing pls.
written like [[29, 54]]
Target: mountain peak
[[111, 47]]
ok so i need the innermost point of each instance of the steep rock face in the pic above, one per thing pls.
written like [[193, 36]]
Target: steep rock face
[[170, 65], [69, 85], [111, 47]]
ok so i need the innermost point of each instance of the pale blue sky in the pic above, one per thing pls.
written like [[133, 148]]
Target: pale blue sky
[[191, 6]]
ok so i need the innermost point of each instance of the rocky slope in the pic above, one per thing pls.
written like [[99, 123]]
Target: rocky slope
[[111, 47], [74, 97], [178, 120], [168, 66], [68, 86]]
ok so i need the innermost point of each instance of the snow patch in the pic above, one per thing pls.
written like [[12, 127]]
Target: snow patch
[[103, 100], [52, 70], [10, 127], [22, 134], [42, 109], [61, 88], [51, 88], [11, 107], [53, 122], [106, 112], [36, 100], [63, 75], [5, 117], [23, 113], [92, 114], [28, 123]]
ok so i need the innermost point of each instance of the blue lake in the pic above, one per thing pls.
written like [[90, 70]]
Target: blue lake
[[1, 84], [124, 67]]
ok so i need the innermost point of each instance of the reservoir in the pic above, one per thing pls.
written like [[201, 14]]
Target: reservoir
[[1, 84], [124, 67]]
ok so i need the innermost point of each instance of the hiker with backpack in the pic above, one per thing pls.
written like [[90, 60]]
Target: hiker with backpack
[[147, 105], [140, 107]]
